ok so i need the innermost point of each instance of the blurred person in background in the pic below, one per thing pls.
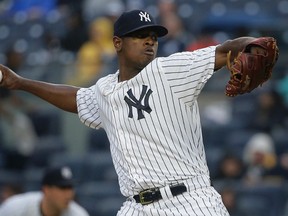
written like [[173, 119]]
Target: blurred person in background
[[77, 31], [230, 168], [270, 112], [19, 136], [55, 198], [177, 36], [95, 55], [166, 7], [261, 160]]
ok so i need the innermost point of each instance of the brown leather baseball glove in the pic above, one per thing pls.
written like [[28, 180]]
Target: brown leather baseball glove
[[252, 67]]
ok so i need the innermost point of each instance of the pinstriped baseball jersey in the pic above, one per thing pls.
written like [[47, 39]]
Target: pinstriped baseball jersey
[[29, 204], [152, 120]]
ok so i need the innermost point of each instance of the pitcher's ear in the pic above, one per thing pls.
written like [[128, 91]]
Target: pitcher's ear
[[117, 43]]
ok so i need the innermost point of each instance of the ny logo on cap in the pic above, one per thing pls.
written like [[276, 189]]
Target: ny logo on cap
[[66, 173], [144, 15]]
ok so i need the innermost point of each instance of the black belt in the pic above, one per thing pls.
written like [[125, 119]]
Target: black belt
[[148, 196]]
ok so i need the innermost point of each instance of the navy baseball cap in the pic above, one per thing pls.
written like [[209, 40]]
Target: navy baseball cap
[[58, 176], [135, 20]]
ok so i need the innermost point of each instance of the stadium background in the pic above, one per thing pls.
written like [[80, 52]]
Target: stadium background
[[38, 40]]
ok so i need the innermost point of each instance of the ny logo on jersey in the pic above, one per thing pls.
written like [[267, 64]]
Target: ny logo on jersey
[[137, 103], [144, 15]]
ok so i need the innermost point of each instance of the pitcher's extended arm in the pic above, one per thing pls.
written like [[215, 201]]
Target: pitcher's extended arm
[[61, 96]]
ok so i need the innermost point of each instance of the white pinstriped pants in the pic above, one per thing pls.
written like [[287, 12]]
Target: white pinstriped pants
[[199, 202]]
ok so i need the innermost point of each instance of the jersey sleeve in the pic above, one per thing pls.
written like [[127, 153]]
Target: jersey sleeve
[[76, 210], [87, 105], [6, 209], [188, 72], [8, 206]]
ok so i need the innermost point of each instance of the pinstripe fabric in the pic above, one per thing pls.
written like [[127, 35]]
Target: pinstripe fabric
[[160, 142], [200, 202]]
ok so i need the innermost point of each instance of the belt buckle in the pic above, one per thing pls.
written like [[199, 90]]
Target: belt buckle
[[143, 197]]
